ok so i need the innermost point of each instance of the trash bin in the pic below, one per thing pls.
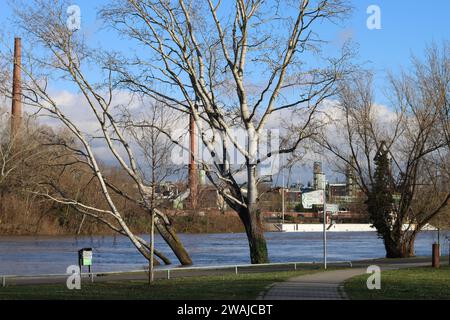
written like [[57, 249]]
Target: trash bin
[[436, 255], [448, 241]]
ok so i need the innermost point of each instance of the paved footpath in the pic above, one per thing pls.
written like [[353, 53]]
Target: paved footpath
[[318, 286], [321, 286]]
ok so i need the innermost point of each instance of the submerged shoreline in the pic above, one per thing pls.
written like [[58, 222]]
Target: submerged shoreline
[[28, 255]]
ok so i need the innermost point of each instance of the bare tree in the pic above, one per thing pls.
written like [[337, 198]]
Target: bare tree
[[64, 58], [16, 153], [155, 151], [398, 154], [232, 64]]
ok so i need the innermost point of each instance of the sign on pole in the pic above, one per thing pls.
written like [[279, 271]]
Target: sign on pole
[[318, 198], [312, 198], [87, 258], [333, 208]]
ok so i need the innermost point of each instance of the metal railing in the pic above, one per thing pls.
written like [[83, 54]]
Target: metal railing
[[171, 272]]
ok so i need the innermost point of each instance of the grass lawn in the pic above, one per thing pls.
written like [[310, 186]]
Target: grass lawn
[[244, 286], [416, 283]]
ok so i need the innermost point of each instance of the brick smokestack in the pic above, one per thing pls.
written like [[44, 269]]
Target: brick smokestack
[[193, 174], [16, 110]]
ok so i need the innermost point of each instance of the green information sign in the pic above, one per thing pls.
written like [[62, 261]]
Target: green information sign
[[87, 258]]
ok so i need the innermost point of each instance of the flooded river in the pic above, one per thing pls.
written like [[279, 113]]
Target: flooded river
[[52, 255]]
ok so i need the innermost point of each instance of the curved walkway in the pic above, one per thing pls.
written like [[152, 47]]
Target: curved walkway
[[327, 285], [317, 286]]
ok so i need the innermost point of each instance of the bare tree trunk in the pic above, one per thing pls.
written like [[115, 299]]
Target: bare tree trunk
[[255, 234], [400, 247], [409, 249], [2, 203], [251, 219], [393, 248], [166, 231], [193, 174]]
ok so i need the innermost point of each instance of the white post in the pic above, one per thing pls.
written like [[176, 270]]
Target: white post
[[282, 201], [152, 249], [324, 229]]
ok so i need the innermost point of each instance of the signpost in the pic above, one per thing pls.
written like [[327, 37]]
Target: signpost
[[333, 208], [282, 200], [85, 259], [318, 198], [312, 198], [324, 230]]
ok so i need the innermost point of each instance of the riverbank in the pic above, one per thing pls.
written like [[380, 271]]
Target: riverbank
[[219, 287], [402, 279], [329, 285], [424, 283], [188, 224]]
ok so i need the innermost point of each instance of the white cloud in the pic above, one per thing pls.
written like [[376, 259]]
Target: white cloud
[[76, 108]]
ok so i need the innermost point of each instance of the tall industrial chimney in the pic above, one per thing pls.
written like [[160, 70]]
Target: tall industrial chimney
[[193, 174], [16, 110], [350, 177], [319, 182]]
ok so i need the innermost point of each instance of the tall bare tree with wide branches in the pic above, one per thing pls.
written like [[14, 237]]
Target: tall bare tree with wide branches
[[232, 64]]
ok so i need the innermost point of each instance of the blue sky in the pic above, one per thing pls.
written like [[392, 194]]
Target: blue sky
[[408, 26]]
